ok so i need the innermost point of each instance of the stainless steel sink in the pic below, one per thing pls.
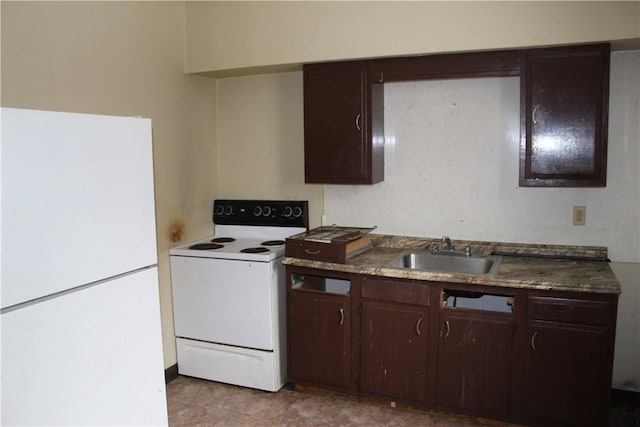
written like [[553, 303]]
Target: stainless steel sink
[[423, 260]]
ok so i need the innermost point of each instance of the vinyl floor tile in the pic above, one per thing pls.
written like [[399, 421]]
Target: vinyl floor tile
[[195, 402]]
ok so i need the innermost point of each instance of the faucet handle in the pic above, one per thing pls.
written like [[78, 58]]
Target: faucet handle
[[434, 248]]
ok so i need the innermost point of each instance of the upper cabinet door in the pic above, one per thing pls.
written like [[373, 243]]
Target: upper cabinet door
[[340, 145], [564, 96]]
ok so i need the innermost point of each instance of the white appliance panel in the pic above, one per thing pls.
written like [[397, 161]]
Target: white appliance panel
[[89, 357], [245, 367], [74, 187], [225, 301], [231, 250]]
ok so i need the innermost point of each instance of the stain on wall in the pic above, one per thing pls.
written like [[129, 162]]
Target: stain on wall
[[176, 230]]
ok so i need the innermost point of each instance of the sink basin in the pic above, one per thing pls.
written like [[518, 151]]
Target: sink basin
[[423, 260]]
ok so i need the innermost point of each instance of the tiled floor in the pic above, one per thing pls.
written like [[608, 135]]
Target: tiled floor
[[198, 402]]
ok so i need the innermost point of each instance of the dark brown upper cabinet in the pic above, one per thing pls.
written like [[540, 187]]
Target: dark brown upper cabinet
[[343, 124], [563, 116], [447, 66], [564, 104]]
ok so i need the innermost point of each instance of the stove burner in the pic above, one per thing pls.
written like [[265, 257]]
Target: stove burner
[[205, 246], [273, 243], [254, 250], [223, 240]]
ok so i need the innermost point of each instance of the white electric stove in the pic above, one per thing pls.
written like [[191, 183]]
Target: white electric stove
[[229, 294]]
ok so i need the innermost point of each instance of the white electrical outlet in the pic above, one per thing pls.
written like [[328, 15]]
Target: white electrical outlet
[[579, 215]]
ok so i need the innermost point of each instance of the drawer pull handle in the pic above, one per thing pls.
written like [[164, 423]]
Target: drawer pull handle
[[358, 122], [418, 327], [341, 316], [533, 340], [446, 323], [310, 252]]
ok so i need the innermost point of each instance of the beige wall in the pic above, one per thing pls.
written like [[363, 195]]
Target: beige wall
[[224, 36], [626, 363], [123, 58], [261, 140]]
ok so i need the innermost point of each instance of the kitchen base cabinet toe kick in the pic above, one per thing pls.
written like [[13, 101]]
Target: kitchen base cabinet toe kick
[[540, 358]]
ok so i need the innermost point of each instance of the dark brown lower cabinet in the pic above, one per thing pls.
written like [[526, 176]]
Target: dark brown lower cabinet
[[533, 357], [567, 366], [319, 338], [394, 338], [394, 350], [474, 361]]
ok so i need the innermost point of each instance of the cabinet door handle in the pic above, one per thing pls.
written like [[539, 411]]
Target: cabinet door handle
[[312, 252], [358, 122], [446, 323], [533, 115], [418, 331], [533, 340], [341, 316]]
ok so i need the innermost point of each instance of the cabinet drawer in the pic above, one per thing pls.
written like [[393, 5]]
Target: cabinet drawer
[[569, 310], [316, 251], [394, 291]]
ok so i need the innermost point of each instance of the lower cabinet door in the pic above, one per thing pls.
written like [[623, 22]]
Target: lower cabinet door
[[474, 362], [394, 350], [319, 338], [564, 382]]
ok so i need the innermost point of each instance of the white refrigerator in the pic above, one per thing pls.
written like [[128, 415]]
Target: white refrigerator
[[80, 318]]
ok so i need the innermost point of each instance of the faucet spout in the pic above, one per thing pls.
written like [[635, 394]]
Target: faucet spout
[[450, 249], [447, 241]]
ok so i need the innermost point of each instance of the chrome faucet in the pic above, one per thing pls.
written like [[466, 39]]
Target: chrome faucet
[[447, 241], [435, 248]]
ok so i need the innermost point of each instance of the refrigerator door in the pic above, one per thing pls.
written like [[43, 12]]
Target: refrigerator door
[[89, 357], [77, 200]]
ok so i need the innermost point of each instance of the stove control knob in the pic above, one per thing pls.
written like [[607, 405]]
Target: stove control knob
[[266, 211], [297, 211], [288, 211], [220, 210], [228, 210], [257, 211]]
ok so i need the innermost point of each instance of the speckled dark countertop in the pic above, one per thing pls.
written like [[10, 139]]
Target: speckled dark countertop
[[544, 267]]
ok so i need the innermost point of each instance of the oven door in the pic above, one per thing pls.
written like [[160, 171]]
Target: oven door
[[226, 301]]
